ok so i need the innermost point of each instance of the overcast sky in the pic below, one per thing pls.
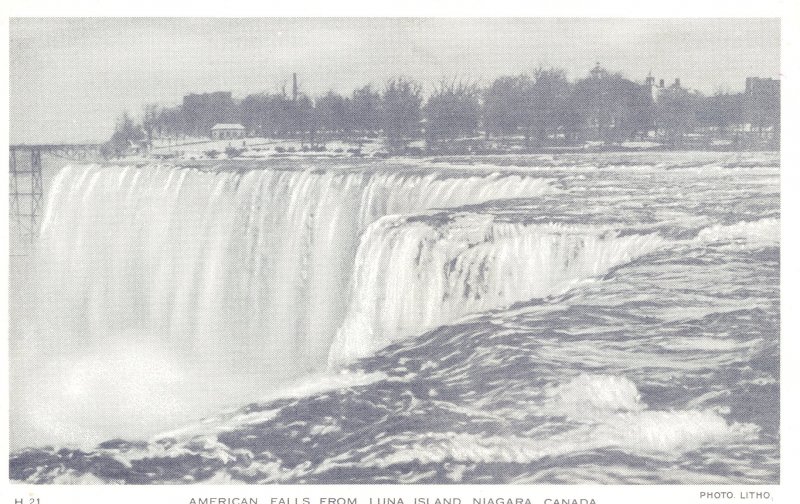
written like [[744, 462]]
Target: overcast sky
[[70, 78]]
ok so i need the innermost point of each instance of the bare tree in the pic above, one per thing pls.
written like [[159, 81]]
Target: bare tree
[[452, 110], [676, 113], [503, 104], [401, 107], [149, 121], [126, 133], [366, 109]]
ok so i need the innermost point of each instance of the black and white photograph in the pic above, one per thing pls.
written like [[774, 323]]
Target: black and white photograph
[[395, 250]]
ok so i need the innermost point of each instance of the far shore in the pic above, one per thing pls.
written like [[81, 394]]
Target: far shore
[[510, 161], [207, 151]]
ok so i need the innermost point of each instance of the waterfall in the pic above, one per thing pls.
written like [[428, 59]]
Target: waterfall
[[413, 274], [224, 268], [160, 282], [166, 291]]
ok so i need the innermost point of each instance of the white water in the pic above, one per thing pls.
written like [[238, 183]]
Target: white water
[[760, 232], [609, 414], [411, 275], [168, 292], [662, 371], [222, 262]]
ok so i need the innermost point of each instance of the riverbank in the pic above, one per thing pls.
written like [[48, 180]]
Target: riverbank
[[204, 149]]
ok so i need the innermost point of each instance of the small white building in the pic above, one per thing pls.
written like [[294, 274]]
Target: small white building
[[227, 131]]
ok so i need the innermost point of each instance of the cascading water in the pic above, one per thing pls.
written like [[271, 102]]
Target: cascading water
[[235, 274], [413, 275], [555, 323], [227, 265]]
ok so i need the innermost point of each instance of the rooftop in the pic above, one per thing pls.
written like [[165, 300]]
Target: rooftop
[[227, 126]]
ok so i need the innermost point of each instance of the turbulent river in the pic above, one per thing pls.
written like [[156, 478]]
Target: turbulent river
[[509, 319]]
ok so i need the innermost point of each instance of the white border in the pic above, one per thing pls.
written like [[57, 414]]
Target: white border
[[789, 489], [413, 8]]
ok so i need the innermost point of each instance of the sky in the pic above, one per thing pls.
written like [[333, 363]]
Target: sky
[[70, 78]]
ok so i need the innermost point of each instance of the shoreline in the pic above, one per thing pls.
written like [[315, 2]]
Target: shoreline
[[600, 159]]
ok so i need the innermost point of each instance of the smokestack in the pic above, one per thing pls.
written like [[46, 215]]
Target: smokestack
[[294, 87]]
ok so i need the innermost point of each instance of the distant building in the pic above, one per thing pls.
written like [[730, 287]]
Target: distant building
[[762, 105], [227, 131], [650, 85], [612, 108], [758, 86], [655, 90]]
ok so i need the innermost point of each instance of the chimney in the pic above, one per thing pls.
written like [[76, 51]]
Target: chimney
[[294, 87]]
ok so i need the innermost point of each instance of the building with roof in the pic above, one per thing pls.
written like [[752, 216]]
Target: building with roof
[[223, 131], [762, 105]]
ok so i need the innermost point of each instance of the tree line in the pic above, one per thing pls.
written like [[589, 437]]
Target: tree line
[[543, 107]]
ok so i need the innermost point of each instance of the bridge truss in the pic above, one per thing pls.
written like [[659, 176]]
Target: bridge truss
[[26, 189]]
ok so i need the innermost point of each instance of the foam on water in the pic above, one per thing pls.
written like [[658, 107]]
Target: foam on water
[[598, 413], [171, 294], [759, 232], [413, 274], [304, 387], [608, 414], [234, 274], [592, 396]]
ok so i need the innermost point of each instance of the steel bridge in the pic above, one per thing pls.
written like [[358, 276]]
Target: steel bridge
[[25, 188]]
